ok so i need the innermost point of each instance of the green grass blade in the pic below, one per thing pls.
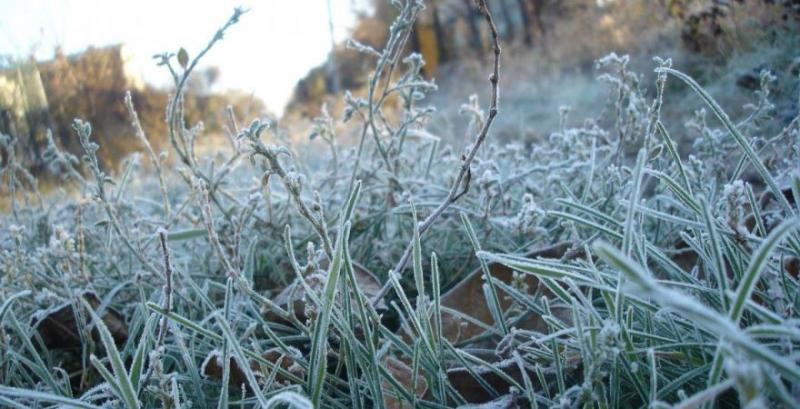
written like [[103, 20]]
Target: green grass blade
[[756, 266], [490, 293], [10, 300], [44, 396], [319, 343], [126, 389], [718, 262], [110, 379], [241, 359], [740, 139], [700, 314], [673, 152], [137, 365]]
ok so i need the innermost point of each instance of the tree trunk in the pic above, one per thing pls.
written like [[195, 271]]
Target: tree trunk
[[509, 20], [527, 30], [441, 38], [472, 17], [536, 9]]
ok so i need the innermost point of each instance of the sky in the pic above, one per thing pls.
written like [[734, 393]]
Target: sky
[[272, 47]]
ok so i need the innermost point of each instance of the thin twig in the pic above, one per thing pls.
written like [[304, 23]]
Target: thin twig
[[140, 134], [317, 222], [177, 131], [162, 333], [461, 184], [213, 238], [167, 305]]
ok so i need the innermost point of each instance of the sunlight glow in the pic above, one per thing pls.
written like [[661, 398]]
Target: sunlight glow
[[273, 46]]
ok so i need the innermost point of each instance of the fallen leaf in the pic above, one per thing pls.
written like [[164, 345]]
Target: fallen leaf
[[510, 401], [473, 391], [58, 327], [792, 266], [294, 294], [404, 375], [468, 298], [212, 367]]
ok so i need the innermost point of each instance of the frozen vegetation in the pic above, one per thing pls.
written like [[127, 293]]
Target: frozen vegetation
[[608, 265]]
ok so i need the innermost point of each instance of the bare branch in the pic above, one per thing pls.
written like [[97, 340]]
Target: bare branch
[[461, 184]]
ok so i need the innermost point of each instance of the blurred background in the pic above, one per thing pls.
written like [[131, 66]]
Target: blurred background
[[61, 60]]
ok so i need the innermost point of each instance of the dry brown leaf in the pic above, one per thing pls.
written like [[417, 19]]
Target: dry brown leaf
[[294, 294], [792, 266], [473, 392], [403, 374], [468, 298], [687, 259], [212, 367], [509, 401], [58, 327]]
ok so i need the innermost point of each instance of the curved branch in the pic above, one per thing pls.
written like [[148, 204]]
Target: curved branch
[[461, 183]]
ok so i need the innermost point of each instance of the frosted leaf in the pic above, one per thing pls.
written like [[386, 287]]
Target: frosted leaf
[[216, 356], [734, 199]]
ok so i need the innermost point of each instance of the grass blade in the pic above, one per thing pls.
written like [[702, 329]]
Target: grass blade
[[743, 143], [126, 389], [319, 343], [44, 396]]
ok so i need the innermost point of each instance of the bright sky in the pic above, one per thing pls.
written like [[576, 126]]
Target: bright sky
[[273, 46]]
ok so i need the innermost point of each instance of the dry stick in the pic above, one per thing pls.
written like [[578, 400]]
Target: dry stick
[[175, 121], [162, 332], [175, 111], [391, 50], [318, 224], [81, 242], [213, 238], [167, 306], [386, 57], [137, 127], [461, 184]]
